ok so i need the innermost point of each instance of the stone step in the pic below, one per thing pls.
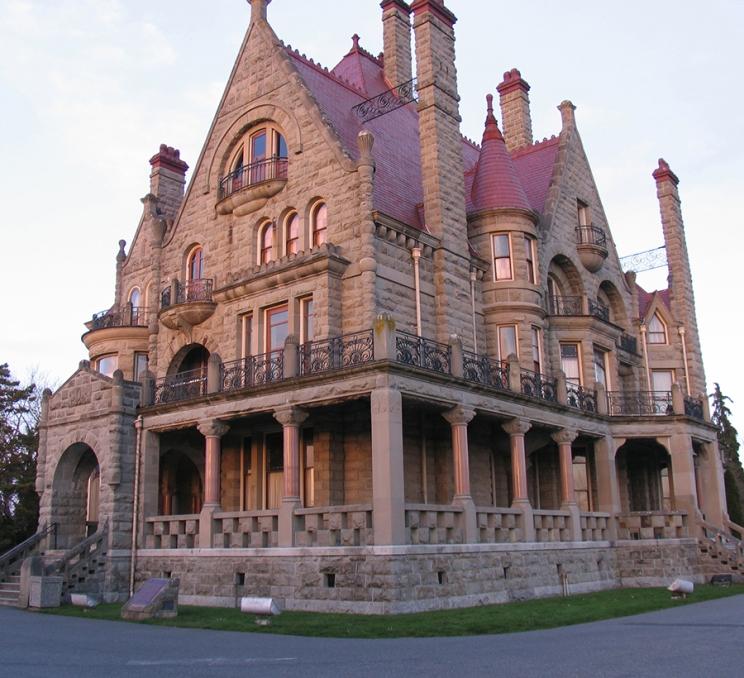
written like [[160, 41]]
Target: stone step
[[10, 587]]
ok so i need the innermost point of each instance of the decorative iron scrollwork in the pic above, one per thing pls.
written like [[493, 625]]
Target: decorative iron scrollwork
[[385, 102]]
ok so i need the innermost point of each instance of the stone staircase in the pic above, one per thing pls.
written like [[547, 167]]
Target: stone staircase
[[721, 554], [10, 590]]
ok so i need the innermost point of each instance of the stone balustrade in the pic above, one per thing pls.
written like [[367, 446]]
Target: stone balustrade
[[432, 524], [498, 525], [334, 526], [595, 526], [552, 525], [246, 529], [172, 532], [652, 525]]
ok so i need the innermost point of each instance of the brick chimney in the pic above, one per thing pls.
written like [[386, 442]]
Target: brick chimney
[[396, 35], [168, 179], [515, 110], [681, 296], [441, 164]]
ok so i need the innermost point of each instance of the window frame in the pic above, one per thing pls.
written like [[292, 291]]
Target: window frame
[[650, 334], [315, 240], [307, 319], [265, 228], [536, 341], [268, 313], [580, 368], [509, 257], [190, 259], [291, 217], [136, 373], [107, 356], [596, 350], [499, 346], [530, 246]]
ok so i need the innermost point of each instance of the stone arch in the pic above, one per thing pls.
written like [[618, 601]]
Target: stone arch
[[181, 486], [609, 295], [76, 495], [644, 475], [250, 118], [189, 357], [563, 269]]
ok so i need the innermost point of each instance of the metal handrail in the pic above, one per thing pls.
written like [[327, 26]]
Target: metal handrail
[[15, 554], [127, 316], [257, 172], [587, 234]]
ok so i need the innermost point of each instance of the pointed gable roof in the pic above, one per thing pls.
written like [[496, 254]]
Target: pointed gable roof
[[496, 183], [646, 299], [361, 69], [535, 165]]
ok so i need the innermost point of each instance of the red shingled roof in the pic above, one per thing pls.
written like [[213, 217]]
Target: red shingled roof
[[398, 190], [646, 298], [495, 181]]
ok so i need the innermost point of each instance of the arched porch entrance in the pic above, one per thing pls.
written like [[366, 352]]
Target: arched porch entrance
[[181, 489], [644, 476], [76, 495]]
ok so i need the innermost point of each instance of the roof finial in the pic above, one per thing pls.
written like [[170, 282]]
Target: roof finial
[[355, 41], [489, 103]]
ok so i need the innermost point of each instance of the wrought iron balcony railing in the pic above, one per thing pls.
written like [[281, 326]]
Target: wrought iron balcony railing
[[253, 174], [628, 403], [599, 310], [421, 352], [580, 398], [255, 370], [562, 305], [181, 386], [694, 408], [591, 235], [127, 316], [538, 385], [337, 353], [387, 101], [192, 291], [628, 343], [482, 370]]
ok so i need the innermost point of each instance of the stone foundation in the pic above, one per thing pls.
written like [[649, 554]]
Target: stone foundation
[[389, 580]]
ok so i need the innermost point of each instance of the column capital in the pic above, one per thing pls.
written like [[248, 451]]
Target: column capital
[[213, 428], [290, 415], [459, 414], [565, 435], [516, 426]]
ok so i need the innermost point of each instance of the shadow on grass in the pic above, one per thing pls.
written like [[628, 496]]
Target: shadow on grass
[[529, 615]]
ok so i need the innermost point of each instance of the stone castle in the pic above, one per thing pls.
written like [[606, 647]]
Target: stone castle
[[361, 363]]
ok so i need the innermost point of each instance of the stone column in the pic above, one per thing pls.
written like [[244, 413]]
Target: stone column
[[291, 419], [516, 428], [682, 477], [212, 430], [608, 490], [564, 438], [713, 489], [388, 497], [459, 417]]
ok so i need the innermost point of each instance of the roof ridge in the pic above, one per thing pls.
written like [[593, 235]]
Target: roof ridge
[[357, 48], [470, 141], [546, 141], [323, 70]]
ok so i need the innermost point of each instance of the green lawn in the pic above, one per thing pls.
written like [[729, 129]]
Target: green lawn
[[518, 616]]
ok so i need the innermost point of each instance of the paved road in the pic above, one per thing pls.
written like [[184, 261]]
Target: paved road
[[698, 640]]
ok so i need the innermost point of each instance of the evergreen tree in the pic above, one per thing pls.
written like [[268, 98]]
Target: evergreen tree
[[19, 439], [729, 445]]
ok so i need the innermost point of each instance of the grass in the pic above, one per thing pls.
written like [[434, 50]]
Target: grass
[[528, 615]]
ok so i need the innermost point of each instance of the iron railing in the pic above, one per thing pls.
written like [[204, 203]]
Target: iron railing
[[337, 353], [599, 310], [561, 305], [127, 316], [255, 173], [591, 235], [624, 403], [482, 370], [628, 343], [694, 408], [580, 398], [421, 352], [538, 385], [189, 292], [255, 370], [181, 386], [385, 102]]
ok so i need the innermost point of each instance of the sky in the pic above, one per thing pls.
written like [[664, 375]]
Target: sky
[[90, 88]]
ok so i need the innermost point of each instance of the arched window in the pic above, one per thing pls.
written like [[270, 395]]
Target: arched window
[[292, 233], [135, 306], [135, 296], [657, 333], [195, 264], [265, 242], [260, 156], [318, 224]]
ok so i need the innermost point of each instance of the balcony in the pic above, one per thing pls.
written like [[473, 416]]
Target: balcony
[[628, 343], [580, 398], [113, 325], [183, 305], [183, 386], [591, 244], [599, 310], [562, 305], [536, 385], [247, 189], [640, 403]]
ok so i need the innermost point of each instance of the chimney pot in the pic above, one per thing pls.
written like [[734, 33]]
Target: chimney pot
[[515, 110]]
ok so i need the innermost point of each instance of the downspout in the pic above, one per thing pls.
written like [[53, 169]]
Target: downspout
[[681, 331], [645, 356], [472, 305], [135, 509], [416, 254]]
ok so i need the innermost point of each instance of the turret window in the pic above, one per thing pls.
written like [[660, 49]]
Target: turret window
[[502, 265], [529, 247], [507, 341], [657, 333]]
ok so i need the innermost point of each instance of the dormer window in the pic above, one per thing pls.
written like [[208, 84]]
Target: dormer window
[[260, 157], [657, 333]]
